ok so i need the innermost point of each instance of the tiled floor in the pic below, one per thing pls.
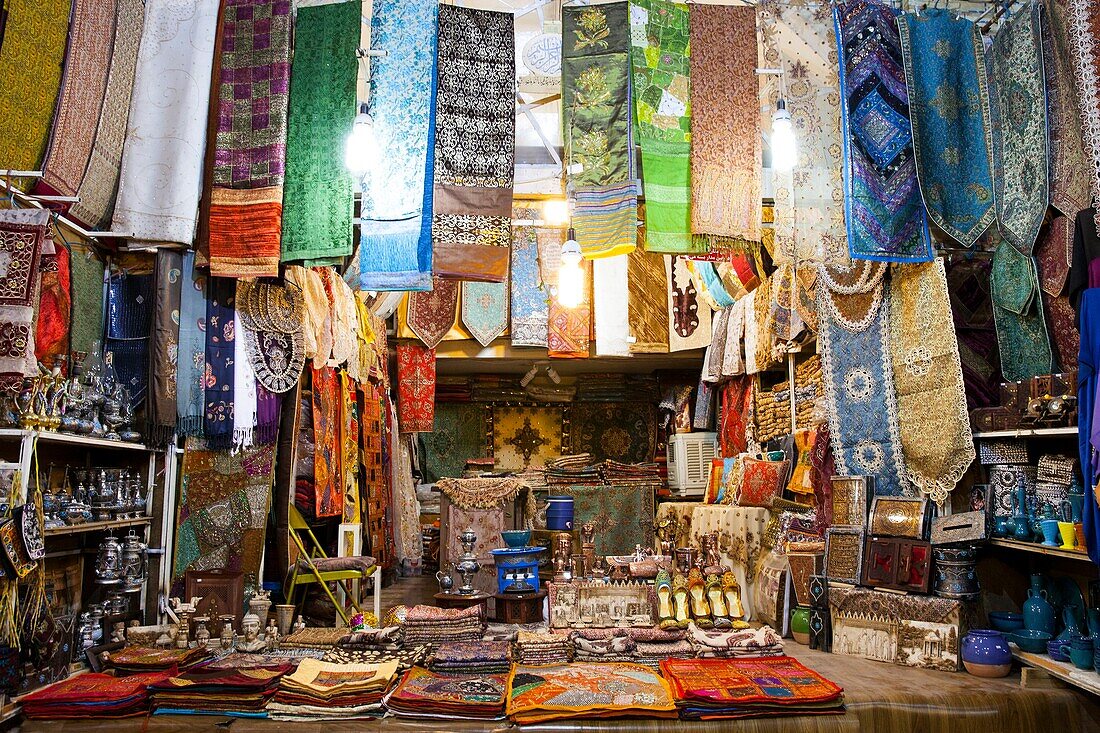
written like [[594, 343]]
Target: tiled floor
[[409, 591]]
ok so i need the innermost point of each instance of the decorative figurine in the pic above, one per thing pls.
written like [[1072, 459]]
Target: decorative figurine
[[299, 625], [563, 551], [202, 634], [118, 632], [271, 636], [250, 629], [227, 634]]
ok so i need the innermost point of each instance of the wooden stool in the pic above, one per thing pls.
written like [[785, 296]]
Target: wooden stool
[[519, 608], [457, 600]]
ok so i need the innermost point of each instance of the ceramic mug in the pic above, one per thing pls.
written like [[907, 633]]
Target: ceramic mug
[[1080, 651], [1069, 537], [1079, 532]]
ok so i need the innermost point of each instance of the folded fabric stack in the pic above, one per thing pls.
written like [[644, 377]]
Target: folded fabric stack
[[134, 659], [422, 693], [742, 643], [268, 659], [541, 694], [710, 689], [572, 471], [642, 646], [431, 625], [652, 653], [406, 658], [388, 638], [630, 474], [93, 695], [497, 388], [472, 657], [326, 690], [616, 388], [314, 637], [535, 478], [242, 692], [452, 389], [541, 648], [612, 649]]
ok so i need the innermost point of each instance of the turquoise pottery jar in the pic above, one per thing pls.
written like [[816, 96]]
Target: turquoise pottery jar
[[1038, 613]]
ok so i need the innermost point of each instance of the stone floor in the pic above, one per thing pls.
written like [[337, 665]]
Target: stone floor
[[409, 591]]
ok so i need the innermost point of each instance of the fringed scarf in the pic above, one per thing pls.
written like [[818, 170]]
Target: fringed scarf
[[221, 337], [1022, 336], [317, 189], [882, 201], [611, 312], [52, 327], [23, 234], [165, 354], [1069, 163], [472, 204], [688, 317], [415, 387], [949, 108], [1054, 256], [1084, 33], [485, 310], [432, 314], [349, 444], [395, 251], [191, 360], [529, 296], [244, 381], [327, 478], [933, 423], [130, 305]]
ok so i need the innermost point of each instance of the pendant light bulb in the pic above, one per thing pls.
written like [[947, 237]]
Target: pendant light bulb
[[361, 149], [570, 275], [784, 144], [555, 212]]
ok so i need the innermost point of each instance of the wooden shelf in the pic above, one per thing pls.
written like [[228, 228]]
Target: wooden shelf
[[1084, 679], [10, 711], [96, 526], [1040, 549], [1027, 433], [68, 438]]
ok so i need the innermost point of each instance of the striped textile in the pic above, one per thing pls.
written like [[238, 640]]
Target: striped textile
[[605, 219]]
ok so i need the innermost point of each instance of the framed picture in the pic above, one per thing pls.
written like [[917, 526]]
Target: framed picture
[[896, 516], [851, 495], [843, 554]]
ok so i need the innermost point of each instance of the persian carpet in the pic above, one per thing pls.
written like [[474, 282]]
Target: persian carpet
[[620, 431], [433, 313], [882, 202], [662, 91], [221, 336], [689, 318], [1022, 337], [809, 221], [191, 359], [223, 507], [100, 179], [622, 515], [972, 312], [526, 436], [395, 250], [611, 312], [529, 295], [485, 310], [244, 204], [538, 694], [1054, 256], [31, 59], [415, 387], [83, 84], [933, 422], [1069, 163], [949, 108], [475, 128], [86, 272], [726, 146], [460, 432], [52, 322], [164, 354], [317, 188], [647, 316], [166, 129], [1021, 159], [1084, 32], [328, 493]]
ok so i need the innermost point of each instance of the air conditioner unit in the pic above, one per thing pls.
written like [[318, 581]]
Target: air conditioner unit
[[689, 457]]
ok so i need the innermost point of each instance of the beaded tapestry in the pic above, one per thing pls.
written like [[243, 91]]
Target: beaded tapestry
[[526, 436], [621, 431], [539, 694], [1022, 335]]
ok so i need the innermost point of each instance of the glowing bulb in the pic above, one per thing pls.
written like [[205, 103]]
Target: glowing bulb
[[361, 149], [555, 212], [783, 140], [570, 275]]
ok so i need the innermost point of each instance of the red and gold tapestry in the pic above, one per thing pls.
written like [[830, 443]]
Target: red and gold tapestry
[[328, 489], [415, 387]]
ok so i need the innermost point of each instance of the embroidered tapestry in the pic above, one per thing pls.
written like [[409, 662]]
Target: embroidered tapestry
[[223, 507], [662, 93], [415, 387], [726, 146], [610, 317], [622, 515], [433, 313], [100, 179], [949, 108], [529, 294], [972, 312], [620, 431], [1084, 34], [538, 694], [1069, 163], [461, 432], [526, 436], [689, 319], [166, 128], [395, 251], [221, 336], [809, 216], [317, 187], [23, 233], [244, 204], [740, 533], [485, 310], [165, 352], [1022, 336], [882, 201], [475, 131], [327, 459], [933, 422], [51, 336], [86, 293], [647, 316], [421, 692], [1054, 256], [1021, 160]]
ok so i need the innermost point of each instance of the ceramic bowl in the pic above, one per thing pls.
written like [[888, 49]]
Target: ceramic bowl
[[1054, 649], [516, 537], [1032, 641], [1006, 621]]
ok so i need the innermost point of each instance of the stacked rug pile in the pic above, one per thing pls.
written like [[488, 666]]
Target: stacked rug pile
[[737, 644], [712, 689], [242, 692], [541, 694], [135, 659], [431, 625], [591, 645], [630, 474], [405, 658], [573, 471], [422, 693], [472, 657], [535, 648], [313, 637], [616, 388], [325, 690], [93, 695], [641, 646]]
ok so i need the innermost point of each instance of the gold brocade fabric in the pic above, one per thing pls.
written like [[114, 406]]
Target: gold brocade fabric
[[762, 313], [526, 436], [647, 315], [936, 440]]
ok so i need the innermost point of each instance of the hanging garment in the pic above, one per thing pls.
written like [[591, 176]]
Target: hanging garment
[[882, 202], [52, 321], [475, 141], [1084, 35], [317, 188], [316, 314], [395, 251], [1053, 257], [415, 387], [1022, 336], [191, 359], [1088, 437], [130, 304], [662, 80], [433, 314], [647, 312], [949, 108], [611, 312], [529, 295], [1021, 160], [568, 330], [1069, 163], [688, 317], [485, 310], [328, 487], [348, 438], [165, 353], [221, 338], [972, 311], [244, 381], [161, 171]]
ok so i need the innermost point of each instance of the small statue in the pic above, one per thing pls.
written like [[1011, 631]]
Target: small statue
[[183, 638], [227, 635], [563, 551], [118, 631], [588, 534], [250, 628], [299, 625], [202, 634], [271, 635], [709, 560]]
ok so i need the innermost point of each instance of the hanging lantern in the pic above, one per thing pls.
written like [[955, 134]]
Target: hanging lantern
[[134, 563]]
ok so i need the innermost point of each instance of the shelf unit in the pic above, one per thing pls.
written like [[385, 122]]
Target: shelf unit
[[1082, 679], [96, 526], [1029, 433], [1040, 549]]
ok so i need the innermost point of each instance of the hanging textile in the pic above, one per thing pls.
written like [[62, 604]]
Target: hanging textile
[[809, 218], [130, 300], [1088, 440], [395, 251], [882, 202], [271, 327], [854, 335], [733, 434], [933, 422], [1084, 35], [617, 431], [348, 440], [949, 107], [529, 296], [191, 359], [51, 336], [244, 383], [1022, 337], [597, 119], [1069, 164], [485, 310], [23, 233], [316, 321], [99, 180], [83, 84], [1054, 258], [165, 354], [726, 146], [526, 436], [86, 296], [31, 59], [317, 188], [461, 433], [433, 313], [660, 59], [972, 313], [475, 131], [328, 485], [220, 348], [244, 194], [610, 292], [166, 129], [689, 324], [647, 315], [568, 329], [1019, 107], [415, 387]]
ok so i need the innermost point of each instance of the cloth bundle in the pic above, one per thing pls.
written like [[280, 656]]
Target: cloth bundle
[[762, 642], [542, 648], [611, 649], [93, 694], [386, 639], [472, 657], [431, 625], [424, 694], [329, 690], [640, 646], [135, 659], [406, 657], [228, 691]]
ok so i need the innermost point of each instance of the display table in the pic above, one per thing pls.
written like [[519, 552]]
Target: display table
[[457, 600], [520, 608]]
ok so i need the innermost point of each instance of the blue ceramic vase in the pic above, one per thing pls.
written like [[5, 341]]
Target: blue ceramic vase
[[985, 653], [1038, 613]]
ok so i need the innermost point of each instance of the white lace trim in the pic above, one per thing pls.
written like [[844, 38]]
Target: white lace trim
[[1088, 82]]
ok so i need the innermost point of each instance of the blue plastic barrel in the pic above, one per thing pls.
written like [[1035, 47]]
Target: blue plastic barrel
[[559, 514]]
